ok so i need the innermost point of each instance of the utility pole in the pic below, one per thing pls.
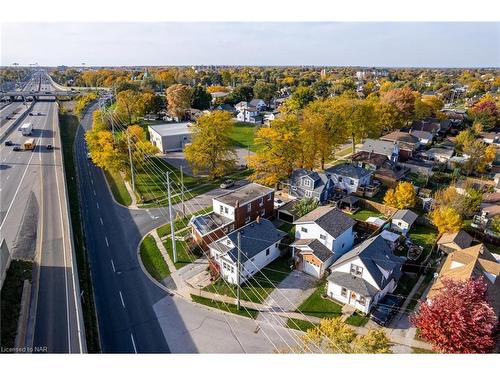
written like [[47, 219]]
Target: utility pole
[[182, 193], [238, 271], [130, 161], [172, 226]]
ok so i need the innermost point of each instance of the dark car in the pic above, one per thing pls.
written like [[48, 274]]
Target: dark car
[[9, 118], [31, 114], [49, 147], [385, 310], [8, 143], [17, 148]]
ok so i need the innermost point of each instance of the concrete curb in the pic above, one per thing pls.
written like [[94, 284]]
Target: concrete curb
[[22, 323], [16, 122]]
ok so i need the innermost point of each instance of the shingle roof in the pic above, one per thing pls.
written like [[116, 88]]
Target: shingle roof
[[400, 137], [319, 250], [255, 238], [331, 219], [351, 282], [378, 147], [348, 170], [375, 254], [460, 238], [422, 134], [405, 215]]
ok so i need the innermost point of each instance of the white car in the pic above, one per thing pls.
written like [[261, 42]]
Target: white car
[[278, 203]]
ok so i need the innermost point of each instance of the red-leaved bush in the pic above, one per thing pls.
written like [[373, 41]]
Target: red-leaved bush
[[459, 319]]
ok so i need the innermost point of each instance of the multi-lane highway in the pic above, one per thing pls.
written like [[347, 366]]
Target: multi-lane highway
[[35, 224]]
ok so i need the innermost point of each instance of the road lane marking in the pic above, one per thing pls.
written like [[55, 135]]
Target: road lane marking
[[101, 221], [95, 195], [121, 297], [97, 203], [133, 343], [113, 265], [107, 243]]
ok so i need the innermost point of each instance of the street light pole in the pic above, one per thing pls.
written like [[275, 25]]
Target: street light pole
[[172, 226], [130, 161], [182, 193]]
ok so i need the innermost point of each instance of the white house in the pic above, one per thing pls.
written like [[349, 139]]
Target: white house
[[402, 220], [250, 114], [259, 246], [365, 274], [170, 137], [349, 177], [321, 236]]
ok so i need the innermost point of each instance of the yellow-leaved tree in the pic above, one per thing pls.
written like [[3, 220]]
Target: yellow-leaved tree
[[446, 219], [211, 147], [179, 100], [403, 196]]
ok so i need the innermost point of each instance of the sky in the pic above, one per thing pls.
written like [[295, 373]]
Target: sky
[[402, 44]]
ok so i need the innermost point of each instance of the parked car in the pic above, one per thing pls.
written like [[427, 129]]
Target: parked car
[[8, 143], [9, 118], [89, 156], [278, 203], [49, 147], [227, 184], [31, 114], [386, 308], [17, 148]]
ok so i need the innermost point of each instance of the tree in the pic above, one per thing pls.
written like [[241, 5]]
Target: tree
[[485, 112], [480, 155], [459, 319], [298, 100], [279, 151], [304, 206], [179, 100], [201, 98], [428, 106], [465, 204], [211, 147], [403, 196], [265, 91], [240, 94], [402, 99], [446, 219], [321, 88], [141, 148], [129, 104], [332, 335], [103, 150]]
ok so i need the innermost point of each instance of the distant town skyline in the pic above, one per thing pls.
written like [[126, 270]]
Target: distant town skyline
[[391, 45]]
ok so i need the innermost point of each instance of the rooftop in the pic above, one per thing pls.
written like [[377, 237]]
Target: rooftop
[[171, 129], [330, 219], [349, 170], [244, 194], [207, 223]]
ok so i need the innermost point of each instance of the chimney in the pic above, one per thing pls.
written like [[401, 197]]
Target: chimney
[[237, 204], [258, 219]]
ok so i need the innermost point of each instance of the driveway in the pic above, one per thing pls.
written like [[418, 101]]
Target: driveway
[[177, 159], [288, 296]]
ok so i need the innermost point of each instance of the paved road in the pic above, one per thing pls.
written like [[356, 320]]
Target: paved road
[[134, 314], [35, 224]]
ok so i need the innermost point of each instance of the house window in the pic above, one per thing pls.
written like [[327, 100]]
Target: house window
[[303, 229], [322, 237], [294, 188], [307, 183], [249, 207], [221, 209], [247, 220], [308, 194], [263, 212], [270, 196], [261, 201], [339, 179], [356, 270], [351, 182], [362, 301], [343, 292], [267, 252], [226, 210]]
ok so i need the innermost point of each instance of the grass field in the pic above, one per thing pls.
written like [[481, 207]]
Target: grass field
[[364, 214], [299, 324], [249, 313], [152, 259], [424, 236], [357, 319], [118, 188], [257, 288], [320, 307], [243, 135], [68, 124], [181, 223], [184, 256]]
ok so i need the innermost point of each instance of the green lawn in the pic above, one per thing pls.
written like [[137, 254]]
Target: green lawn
[[364, 214], [343, 152], [243, 135], [320, 307], [152, 259], [184, 255], [118, 188], [260, 286], [357, 319], [10, 300], [299, 324], [249, 313], [424, 236]]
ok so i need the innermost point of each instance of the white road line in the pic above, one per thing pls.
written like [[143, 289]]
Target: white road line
[[101, 221], [113, 265], [97, 203], [107, 243], [121, 297], [95, 195], [92, 180], [7, 178], [133, 343]]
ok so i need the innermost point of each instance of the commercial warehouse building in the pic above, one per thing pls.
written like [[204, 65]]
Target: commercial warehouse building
[[170, 137]]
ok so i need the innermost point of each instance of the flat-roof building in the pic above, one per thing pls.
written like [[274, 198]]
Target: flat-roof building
[[170, 137]]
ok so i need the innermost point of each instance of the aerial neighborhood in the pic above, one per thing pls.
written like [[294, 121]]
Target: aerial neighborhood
[[305, 198]]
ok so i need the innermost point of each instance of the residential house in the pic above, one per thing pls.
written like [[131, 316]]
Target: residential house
[[218, 95], [439, 154], [304, 183], [450, 242], [349, 177], [259, 246], [491, 137], [270, 116], [471, 262], [364, 275], [424, 138], [384, 170], [403, 220], [226, 107], [258, 103], [407, 143], [429, 125], [332, 228], [250, 114], [389, 149], [231, 211]]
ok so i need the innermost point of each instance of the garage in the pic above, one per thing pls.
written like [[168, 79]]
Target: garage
[[170, 137], [311, 269]]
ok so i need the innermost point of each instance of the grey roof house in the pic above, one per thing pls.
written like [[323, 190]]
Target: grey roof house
[[349, 177], [364, 275], [403, 220], [387, 148], [304, 183]]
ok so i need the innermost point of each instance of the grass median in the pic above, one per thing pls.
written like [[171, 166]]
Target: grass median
[[152, 259], [227, 307], [68, 124], [118, 188]]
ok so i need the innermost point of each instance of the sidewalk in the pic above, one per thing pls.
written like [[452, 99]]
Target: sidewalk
[[130, 192], [276, 313]]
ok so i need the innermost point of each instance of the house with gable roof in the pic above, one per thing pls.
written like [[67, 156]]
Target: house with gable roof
[[304, 183]]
